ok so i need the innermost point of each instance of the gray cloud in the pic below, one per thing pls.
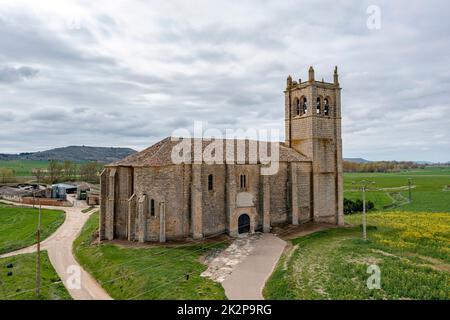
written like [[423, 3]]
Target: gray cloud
[[95, 74], [13, 74]]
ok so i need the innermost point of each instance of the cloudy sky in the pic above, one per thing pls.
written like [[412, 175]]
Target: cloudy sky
[[128, 73]]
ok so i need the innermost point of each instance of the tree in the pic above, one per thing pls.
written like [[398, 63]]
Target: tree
[[351, 206], [39, 174], [54, 171], [89, 171], [70, 170], [380, 166], [7, 175]]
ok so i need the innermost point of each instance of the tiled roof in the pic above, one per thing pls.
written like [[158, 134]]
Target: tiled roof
[[160, 154]]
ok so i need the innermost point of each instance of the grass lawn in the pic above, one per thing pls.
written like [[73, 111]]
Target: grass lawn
[[20, 285], [146, 273], [18, 226], [429, 192], [411, 249]]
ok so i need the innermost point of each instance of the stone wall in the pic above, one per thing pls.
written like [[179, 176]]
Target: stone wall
[[162, 184], [124, 190], [304, 191], [279, 198], [214, 201], [126, 195], [42, 201]]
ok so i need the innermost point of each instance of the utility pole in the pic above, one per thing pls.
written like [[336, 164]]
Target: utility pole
[[364, 213], [363, 186], [409, 190], [38, 256]]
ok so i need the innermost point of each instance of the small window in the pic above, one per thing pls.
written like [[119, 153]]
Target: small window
[[305, 105], [318, 106], [326, 107], [243, 181], [210, 182], [297, 107], [152, 207]]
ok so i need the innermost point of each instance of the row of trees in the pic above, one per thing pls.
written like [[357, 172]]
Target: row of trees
[[380, 166], [67, 171]]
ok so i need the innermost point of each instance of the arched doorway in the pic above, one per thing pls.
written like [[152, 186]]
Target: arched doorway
[[244, 223]]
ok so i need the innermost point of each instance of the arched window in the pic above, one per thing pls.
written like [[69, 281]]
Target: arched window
[[297, 107], [326, 107], [243, 182], [305, 105], [318, 106], [210, 182], [152, 207]]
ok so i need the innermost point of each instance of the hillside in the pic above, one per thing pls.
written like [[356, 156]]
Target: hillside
[[74, 153], [357, 160]]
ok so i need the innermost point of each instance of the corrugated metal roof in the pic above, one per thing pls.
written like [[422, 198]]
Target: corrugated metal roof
[[64, 185]]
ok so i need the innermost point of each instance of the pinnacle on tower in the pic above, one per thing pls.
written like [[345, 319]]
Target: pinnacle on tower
[[289, 81], [336, 77], [311, 74]]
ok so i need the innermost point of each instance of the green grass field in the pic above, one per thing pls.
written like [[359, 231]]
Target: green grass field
[[429, 191], [18, 226], [146, 273], [20, 285], [411, 249], [410, 242], [23, 167]]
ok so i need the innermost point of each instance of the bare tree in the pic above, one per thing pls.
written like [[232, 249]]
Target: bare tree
[[39, 174], [70, 170], [89, 172], [54, 171]]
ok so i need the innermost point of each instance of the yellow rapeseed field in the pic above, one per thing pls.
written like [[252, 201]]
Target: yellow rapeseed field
[[412, 229]]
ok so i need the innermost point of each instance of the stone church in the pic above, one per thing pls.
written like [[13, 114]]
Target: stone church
[[148, 197]]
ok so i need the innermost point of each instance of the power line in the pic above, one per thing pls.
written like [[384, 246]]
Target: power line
[[176, 279], [148, 267], [201, 242], [203, 247], [33, 234]]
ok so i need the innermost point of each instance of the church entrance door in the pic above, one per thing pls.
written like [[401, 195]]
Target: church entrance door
[[244, 223]]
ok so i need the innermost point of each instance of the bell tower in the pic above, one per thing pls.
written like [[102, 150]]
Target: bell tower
[[313, 128]]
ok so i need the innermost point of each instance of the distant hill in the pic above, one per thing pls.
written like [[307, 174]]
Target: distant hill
[[74, 153], [357, 160]]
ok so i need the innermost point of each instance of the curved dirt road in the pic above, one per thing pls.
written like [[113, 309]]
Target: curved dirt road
[[59, 247]]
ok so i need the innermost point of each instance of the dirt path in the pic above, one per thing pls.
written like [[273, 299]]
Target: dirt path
[[59, 247], [248, 279]]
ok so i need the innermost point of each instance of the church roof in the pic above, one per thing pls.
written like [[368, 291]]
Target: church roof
[[160, 154]]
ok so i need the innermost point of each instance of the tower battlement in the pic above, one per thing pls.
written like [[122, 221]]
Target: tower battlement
[[294, 84]]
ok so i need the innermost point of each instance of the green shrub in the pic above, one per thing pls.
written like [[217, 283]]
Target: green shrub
[[354, 206]]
